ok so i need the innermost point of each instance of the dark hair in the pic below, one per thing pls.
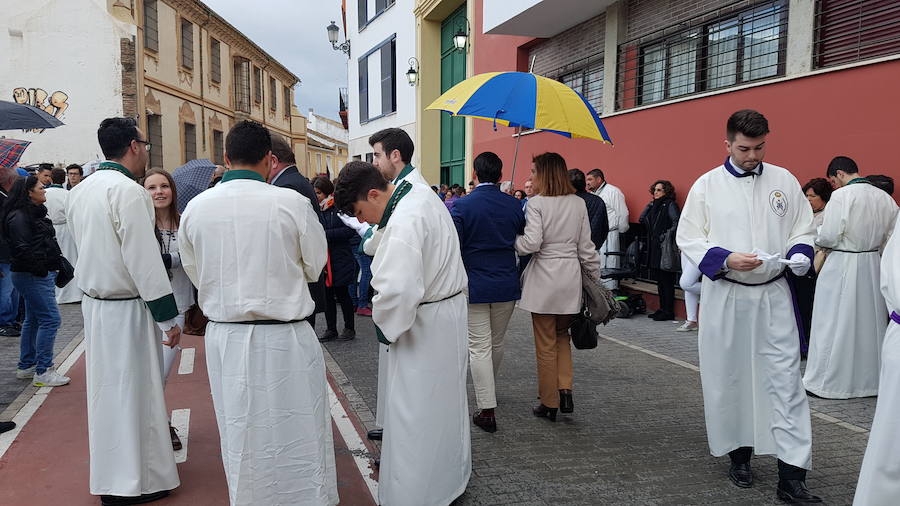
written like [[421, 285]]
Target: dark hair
[[324, 185], [517, 192], [886, 183], [58, 175], [667, 187], [173, 206], [282, 150], [247, 143], [459, 191], [18, 198], [75, 166], [843, 163], [115, 136], [43, 167], [391, 139], [820, 186], [576, 177], [748, 123], [488, 167], [597, 173], [354, 183], [550, 178]]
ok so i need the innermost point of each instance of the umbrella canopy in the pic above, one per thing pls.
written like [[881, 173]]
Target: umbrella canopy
[[11, 151], [523, 99], [191, 179], [15, 116]]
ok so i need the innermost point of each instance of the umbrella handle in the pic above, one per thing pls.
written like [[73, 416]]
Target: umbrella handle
[[515, 157], [499, 112]]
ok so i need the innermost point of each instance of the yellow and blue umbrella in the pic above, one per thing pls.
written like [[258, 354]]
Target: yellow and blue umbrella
[[525, 100]]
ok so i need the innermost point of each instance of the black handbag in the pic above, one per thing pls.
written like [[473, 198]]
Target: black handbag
[[66, 272], [583, 332]]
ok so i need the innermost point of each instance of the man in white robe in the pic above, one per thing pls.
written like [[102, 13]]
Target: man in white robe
[[251, 248], [849, 316], [420, 312], [57, 197], [879, 478], [617, 216], [736, 216], [392, 153], [128, 299]]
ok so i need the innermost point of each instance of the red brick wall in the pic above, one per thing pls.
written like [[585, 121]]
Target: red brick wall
[[574, 44], [646, 16]]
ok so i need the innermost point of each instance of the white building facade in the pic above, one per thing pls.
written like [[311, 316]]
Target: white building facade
[[382, 35]]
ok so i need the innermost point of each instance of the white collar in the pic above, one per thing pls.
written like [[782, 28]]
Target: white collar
[[485, 184]]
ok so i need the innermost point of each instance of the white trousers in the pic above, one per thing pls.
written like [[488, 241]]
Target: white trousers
[[487, 326], [610, 262], [690, 283]]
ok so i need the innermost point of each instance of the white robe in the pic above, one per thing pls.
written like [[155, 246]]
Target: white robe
[[419, 277], [252, 262], [111, 220], [879, 478], [617, 215], [748, 343], [849, 316], [56, 211]]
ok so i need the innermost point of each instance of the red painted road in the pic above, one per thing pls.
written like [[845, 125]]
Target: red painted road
[[47, 464]]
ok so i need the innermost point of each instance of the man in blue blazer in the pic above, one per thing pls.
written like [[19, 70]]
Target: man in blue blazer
[[488, 222]]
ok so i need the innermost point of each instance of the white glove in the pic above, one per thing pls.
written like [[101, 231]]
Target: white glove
[[370, 246], [799, 264]]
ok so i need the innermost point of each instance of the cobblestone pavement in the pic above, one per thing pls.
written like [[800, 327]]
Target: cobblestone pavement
[[637, 435], [10, 386]]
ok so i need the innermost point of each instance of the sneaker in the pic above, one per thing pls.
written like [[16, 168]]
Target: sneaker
[[347, 335], [50, 378], [328, 335], [25, 373], [10, 331], [364, 311], [687, 326]]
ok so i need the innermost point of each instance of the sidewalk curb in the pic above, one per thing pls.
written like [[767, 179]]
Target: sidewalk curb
[[16, 405], [357, 404]]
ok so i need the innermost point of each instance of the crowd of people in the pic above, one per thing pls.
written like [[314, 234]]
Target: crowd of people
[[763, 263]]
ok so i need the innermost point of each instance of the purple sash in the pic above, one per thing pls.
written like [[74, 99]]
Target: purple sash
[[895, 317]]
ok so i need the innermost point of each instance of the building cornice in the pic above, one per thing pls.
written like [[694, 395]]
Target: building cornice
[[199, 13]]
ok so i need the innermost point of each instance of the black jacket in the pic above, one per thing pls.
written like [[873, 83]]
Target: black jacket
[[32, 241], [658, 217], [5, 256], [597, 217], [340, 252]]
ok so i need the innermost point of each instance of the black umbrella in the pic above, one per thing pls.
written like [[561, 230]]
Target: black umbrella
[[15, 116]]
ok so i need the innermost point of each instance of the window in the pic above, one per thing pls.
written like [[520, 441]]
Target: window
[[318, 163], [154, 135], [586, 77], [287, 102], [215, 62], [363, 89], [388, 77], [257, 85], [187, 44], [362, 10], [370, 157], [273, 94], [241, 85], [849, 31], [218, 145], [712, 54], [151, 25], [190, 142]]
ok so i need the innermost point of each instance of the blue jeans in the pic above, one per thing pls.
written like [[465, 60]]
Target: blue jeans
[[9, 298], [359, 291], [41, 320]]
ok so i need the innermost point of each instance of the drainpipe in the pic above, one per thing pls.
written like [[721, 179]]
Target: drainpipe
[[203, 84]]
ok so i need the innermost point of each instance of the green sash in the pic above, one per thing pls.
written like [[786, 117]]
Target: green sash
[[399, 192], [55, 186], [107, 165], [242, 174], [403, 173], [858, 180]]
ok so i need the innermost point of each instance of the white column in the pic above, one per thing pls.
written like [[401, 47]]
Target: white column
[[615, 29], [801, 26]]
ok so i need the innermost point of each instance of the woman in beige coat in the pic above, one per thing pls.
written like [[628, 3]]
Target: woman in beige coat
[[558, 236]]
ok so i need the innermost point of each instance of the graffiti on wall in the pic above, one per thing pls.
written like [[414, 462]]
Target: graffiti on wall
[[54, 104]]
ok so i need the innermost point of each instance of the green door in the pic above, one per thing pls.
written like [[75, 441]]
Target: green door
[[453, 129]]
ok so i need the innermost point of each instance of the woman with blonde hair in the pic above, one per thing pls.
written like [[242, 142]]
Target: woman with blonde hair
[[558, 236]]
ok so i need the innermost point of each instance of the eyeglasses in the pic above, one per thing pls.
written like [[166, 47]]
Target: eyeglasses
[[145, 143]]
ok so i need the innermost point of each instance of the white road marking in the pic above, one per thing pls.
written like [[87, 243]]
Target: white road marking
[[813, 412], [353, 441], [181, 420], [186, 365], [31, 407]]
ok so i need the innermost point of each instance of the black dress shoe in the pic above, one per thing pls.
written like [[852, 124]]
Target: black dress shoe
[[795, 492], [487, 422], [347, 335], [663, 316], [741, 475], [566, 404], [375, 434], [328, 335], [653, 314], [542, 411], [7, 426], [118, 500], [176, 441]]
